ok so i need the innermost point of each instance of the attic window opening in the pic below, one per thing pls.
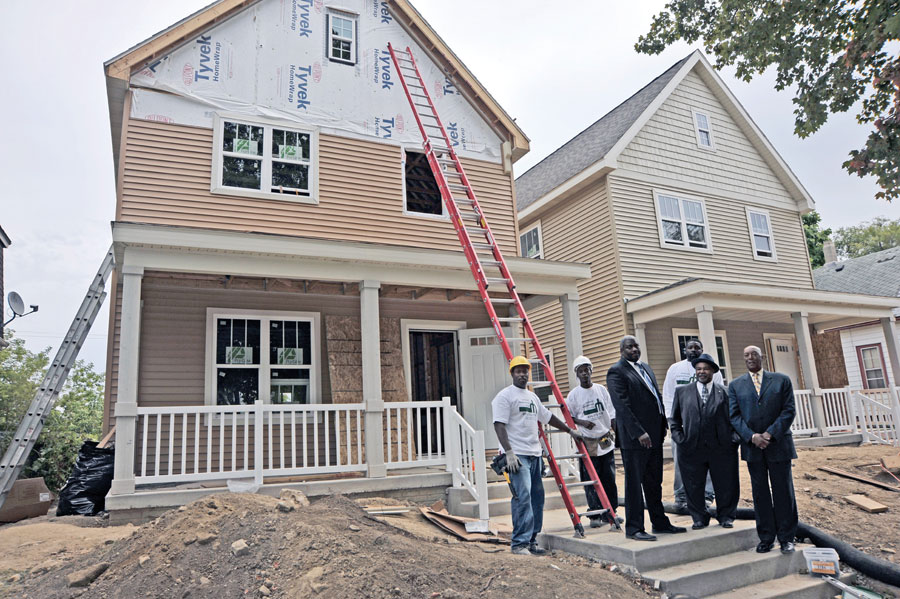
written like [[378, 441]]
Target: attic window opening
[[530, 242], [703, 129], [423, 196], [342, 33]]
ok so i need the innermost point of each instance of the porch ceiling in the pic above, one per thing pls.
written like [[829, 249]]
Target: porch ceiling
[[195, 250], [758, 303]]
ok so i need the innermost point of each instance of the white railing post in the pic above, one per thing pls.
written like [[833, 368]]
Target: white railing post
[[862, 411], [895, 415], [445, 422], [258, 442], [481, 477], [851, 409]]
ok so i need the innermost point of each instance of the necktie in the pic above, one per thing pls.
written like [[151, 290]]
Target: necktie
[[756, 382], [704, 395], [649, 382]]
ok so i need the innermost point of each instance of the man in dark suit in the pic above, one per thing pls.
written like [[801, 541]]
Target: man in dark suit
[[706, 442], [761, 405], [641, 427]]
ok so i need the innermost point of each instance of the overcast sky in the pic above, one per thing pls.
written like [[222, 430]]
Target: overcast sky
[[555, 67]]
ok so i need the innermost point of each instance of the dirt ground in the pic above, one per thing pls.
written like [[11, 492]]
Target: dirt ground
[[333, 549]]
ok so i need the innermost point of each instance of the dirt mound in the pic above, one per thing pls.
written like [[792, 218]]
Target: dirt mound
[[250, 546]]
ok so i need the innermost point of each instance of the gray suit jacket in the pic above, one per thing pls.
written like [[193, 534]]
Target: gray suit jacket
[[685, 420]]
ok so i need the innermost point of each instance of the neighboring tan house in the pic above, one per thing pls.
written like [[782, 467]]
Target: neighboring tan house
[[4, 243], [691, 222], [276, 231], [863, 348]]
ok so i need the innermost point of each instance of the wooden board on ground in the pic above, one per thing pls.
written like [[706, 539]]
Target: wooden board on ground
[[870, 505], [456, 526], [891, 462], [862, 479]]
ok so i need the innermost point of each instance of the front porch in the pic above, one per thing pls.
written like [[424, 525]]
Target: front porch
[[787, 324]]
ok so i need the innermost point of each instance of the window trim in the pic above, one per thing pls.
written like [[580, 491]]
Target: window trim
[[862, 368], [315, 382], [685, 245], [549, 354], [696, 333], [540, 235], [444, 215], [354, 44], [756, 256], [712, 140], [215, 183]]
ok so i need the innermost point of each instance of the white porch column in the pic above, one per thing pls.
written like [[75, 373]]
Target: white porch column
[[707, 330], [370, 331], [640, 333], [810, 375], [126, 396], [572, 329], [890, 337]]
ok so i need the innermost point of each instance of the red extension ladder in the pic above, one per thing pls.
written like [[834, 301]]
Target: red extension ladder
[[469, 222]]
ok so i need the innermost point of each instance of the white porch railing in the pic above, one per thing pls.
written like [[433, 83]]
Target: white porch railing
[[878, 413], [415, 434], [563, 445], [466, 458], [839, 413], [803, 420]]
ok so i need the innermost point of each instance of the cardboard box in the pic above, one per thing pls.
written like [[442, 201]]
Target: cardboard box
[[28, 498]]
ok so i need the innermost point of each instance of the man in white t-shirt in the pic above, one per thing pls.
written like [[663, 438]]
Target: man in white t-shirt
[[684, 373], [517, 414], [591, 408]]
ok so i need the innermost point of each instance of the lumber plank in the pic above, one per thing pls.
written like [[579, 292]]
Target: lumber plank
[[106, 439], [857, 477], [870, 505], [891, 462]]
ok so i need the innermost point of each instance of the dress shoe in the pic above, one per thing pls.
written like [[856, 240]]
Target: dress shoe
[[535, 550], [727, 523], [765, 546], [699, 525], [641, 536], [787, 547], [670, 530]]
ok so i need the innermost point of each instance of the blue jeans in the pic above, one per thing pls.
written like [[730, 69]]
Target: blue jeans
[[528, 504], [680, 495]]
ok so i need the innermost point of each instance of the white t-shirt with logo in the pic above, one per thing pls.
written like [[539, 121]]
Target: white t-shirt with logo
[[520, 410], [593, 404], [681, 373]]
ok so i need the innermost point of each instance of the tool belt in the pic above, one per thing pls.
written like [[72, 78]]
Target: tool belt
[[595, 445]]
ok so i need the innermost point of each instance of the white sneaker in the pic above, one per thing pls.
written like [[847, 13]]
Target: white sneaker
[[521, 551]]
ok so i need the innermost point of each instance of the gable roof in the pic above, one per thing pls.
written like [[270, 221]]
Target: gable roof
[[873, 274], [4, 240], [119, 69], [594, 151]]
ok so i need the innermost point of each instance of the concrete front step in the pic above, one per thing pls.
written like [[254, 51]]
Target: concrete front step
[[668, 550], [460, 503], [792, 586], [706, 577]]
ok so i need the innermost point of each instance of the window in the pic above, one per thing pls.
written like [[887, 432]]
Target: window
[[871, 366], [539, 375], [530, 242], [342, 38], [761, 234], [264, 160], [682, 336], [262, 355], [682, 223], [703, 128], [421, 192]]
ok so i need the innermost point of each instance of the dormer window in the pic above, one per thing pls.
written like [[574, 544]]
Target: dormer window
[[703, 128], [342, 38]]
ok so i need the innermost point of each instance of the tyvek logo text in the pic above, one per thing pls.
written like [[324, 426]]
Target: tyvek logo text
[[380, 11], [209, 60], [298, 86], [300, 17]]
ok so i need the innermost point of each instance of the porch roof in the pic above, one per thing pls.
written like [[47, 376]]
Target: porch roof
[[197, 250], [758, 303]]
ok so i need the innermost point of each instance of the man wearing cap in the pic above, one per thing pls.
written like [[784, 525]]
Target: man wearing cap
[[591, 408], [517, 414], [707, 444], [683, 373]]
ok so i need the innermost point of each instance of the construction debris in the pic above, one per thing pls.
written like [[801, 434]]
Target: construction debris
[[870, 505], [862, 479], [456, 526], [891, 462]]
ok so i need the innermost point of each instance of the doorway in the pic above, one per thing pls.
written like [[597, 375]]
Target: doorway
[[783, 357], [434, 374]]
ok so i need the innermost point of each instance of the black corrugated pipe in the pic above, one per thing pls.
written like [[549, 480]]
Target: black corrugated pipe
[[873, 567]]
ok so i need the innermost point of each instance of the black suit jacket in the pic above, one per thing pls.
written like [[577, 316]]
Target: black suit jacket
[[772, 410], [637, 410], [685, 420]]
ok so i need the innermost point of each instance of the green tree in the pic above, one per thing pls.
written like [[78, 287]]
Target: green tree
[[881, 233], [76, 416], [815, 238], [835, 52]]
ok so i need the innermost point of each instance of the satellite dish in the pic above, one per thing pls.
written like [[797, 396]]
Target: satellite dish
[[16, 303]]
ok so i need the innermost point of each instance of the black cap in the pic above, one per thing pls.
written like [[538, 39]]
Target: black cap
[[705, 358]]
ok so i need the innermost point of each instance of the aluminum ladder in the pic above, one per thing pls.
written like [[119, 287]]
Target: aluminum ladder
[[31, 425], [470, 222]]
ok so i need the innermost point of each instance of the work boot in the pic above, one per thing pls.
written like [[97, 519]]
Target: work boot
[[535, 550], [521, 550]]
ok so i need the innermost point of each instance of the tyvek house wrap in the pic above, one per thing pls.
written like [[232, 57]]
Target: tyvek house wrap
[[271, 60]]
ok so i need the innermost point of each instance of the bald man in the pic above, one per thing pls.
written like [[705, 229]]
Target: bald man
[[761, 407]]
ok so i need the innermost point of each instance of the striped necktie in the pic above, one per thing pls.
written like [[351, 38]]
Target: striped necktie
[[756, 380], [704, 395]]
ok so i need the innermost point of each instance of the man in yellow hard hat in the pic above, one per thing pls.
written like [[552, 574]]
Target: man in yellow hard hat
[[517, 414]]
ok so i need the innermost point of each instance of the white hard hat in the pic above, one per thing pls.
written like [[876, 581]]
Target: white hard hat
[[581, 361]]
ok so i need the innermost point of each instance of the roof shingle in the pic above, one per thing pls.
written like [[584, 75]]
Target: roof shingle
[[874, 274]]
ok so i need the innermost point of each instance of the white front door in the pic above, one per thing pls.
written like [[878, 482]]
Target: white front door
[[484, 373], [783, 352]]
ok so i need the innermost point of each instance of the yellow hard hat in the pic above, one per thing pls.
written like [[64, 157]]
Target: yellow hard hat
[[519, 361]]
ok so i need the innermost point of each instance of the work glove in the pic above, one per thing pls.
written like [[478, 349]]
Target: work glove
[[512, 462], [576, 434]]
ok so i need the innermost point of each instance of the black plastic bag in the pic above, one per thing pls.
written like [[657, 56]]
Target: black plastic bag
[[87, 486]]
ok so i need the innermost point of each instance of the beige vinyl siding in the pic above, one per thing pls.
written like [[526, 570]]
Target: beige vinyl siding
[[581, 230], [167, 181], [646, 266], [667, 147]]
